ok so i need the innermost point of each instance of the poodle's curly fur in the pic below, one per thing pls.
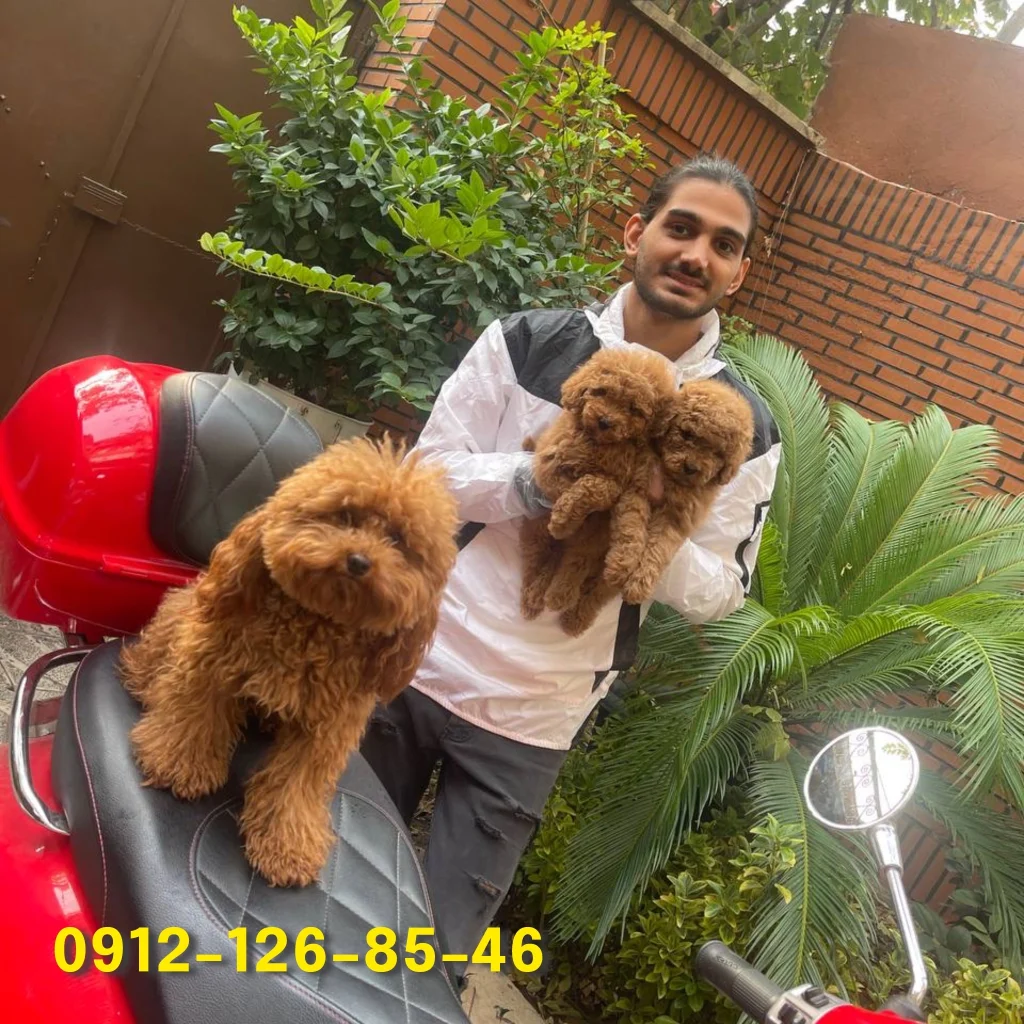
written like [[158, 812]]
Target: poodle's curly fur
[[584, 462], [702, 440], [320, 603]]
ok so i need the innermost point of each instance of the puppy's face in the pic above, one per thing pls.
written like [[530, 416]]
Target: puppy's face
[[362, 537], [611, 405], [705, 435]]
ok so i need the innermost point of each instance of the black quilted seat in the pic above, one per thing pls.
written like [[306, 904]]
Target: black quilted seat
[[147, 859], [224, 446]]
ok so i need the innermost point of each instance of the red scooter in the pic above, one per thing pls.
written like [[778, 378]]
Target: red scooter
[[123, 904]]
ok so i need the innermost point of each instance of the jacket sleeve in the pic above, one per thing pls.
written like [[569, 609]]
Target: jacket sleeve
[[709, 578], [462, 429]]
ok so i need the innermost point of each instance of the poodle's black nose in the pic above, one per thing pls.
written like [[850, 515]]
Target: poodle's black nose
[[358, 565], [603, 423]]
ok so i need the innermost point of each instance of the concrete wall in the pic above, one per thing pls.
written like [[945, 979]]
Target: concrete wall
[[936, 111]]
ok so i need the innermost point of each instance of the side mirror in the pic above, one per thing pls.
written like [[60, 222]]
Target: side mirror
[[859, 782]]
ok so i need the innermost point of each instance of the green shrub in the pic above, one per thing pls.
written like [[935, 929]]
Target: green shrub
[[378, 230], [979, 994]]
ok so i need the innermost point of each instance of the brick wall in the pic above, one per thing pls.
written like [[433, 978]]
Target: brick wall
[[899, 299]]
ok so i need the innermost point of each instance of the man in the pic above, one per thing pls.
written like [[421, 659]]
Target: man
[[499, 699]]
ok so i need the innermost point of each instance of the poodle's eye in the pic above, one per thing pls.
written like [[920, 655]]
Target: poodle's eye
[[635, 411], [344, 517], [397, 538], [599, 392]]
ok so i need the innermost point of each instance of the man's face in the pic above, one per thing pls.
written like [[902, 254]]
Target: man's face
[[690, 255]]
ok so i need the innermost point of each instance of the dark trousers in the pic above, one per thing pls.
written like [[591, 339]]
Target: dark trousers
[[490, 796]]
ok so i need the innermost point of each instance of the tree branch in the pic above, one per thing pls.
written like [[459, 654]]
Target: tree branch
[[1013, 27]]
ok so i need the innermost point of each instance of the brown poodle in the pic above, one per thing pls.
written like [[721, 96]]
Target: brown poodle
[[589, 456], [320, 603], [701, 442]]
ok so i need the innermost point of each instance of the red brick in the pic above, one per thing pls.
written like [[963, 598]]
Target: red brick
[[969, 354], [968, 411], [888, 356], [456, 72], [959, 296], [999, 292], [947, 382], [816, 227], [891, 303], [812, 291], [920, 352], [1001, 311], [813, 340], [845, 392], [1008, 350], [828, 330], [940, 324], [905, 382], [858, 309], [1013, 371], [830, 282], [873, 281], [826, 364], [972, 372], [863, 329], [880, 388], [911, 330], [797, 235], [841, 251], [977, 320], [889, 253], [806, 255], [859, 361], [477, 62], [1012, 428], [882, 408], [1003, 405], [932, 269], [895, 273], [492, 28]]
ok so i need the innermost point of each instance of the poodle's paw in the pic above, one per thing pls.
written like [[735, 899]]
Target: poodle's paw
[[562, 525], [618, 569], [531, 603], [286, 858], [562, 595], [637, 589], [167, 764], [576, 621]]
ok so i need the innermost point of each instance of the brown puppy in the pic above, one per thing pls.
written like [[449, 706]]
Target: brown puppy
[[590, 455], [702, 441], [320, 603]]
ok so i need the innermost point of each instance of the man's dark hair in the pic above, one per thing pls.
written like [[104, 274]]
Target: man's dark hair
[[708, 167]]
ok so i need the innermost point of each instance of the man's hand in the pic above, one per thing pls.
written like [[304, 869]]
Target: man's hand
[[533, 498]]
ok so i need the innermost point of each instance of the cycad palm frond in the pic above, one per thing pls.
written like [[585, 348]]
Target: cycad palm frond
[[662, 778], [970, 549], [859, 450], [831, 888], [981, 662], [768, 587], [785, 381], [930, 473]]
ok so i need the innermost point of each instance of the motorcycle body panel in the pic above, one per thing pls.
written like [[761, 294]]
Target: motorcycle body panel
[[41, 894]]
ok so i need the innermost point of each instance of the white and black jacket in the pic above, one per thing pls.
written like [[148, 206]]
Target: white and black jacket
[[528, 680]]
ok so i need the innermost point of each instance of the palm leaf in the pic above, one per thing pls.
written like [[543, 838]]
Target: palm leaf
[[769, 583], [994, 842], [858, 452], [831, 888], [975, 548], [783, 378], [982, 663], [929, 474], [657, 781]]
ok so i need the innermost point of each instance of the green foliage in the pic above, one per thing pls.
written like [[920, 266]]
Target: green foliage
[[886, 592], [784, 47], [977, 994], [379, 229]]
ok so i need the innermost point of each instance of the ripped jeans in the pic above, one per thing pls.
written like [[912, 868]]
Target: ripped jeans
[[490, 797]]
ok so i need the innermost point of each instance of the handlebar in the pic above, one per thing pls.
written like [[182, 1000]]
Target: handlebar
[[737, 980]]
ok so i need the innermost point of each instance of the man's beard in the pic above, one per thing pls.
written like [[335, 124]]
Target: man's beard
[[675, 306]]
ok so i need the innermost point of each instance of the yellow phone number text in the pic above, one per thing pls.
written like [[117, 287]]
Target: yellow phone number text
[[380, 955]]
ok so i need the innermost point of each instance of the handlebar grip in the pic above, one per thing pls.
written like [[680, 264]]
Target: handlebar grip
[[744, 984]]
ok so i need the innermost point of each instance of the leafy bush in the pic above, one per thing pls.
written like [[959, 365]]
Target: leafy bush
[[378, 229], [978, 994], [886, 592]]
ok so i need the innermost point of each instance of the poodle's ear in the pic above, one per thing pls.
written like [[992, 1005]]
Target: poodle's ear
[[237, 570], [395, 660], [574, 391], [732, 463]]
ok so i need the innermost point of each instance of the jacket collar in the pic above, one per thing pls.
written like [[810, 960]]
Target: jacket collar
[[698, 363]]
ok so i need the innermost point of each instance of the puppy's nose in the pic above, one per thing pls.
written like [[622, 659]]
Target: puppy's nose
[[358, 565], [604, 423]]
